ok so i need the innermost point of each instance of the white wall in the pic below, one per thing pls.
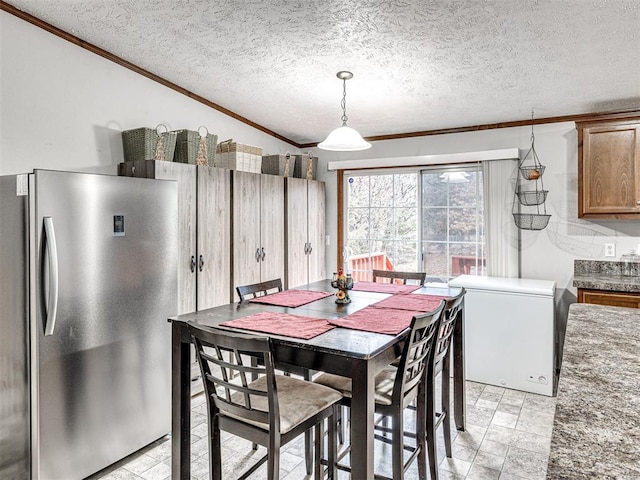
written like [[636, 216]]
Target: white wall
[[63, 107]]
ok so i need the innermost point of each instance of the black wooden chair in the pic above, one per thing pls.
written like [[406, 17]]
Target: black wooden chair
[[441, 364], [270, 411], [396, 388], [246, 292], [393, 275]]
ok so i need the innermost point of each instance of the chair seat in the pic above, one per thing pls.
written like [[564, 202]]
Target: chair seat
[[383, 387], [299, 400]]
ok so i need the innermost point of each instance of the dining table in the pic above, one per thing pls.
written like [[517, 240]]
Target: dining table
[[352, 352]]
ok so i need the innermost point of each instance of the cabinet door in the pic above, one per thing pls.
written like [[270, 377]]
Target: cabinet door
[[272, 238], [610, 180], [316, 219], [612, 299], [297, 233], [214, 237], [246, 228], [185, 175]]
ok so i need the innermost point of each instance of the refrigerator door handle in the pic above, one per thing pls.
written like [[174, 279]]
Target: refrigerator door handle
[[52, 255]]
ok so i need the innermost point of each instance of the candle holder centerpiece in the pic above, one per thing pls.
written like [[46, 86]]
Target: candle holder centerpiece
[[343, 283]]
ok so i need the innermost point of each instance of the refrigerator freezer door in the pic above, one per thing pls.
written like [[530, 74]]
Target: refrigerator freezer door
[[14, 391], [102, 378]]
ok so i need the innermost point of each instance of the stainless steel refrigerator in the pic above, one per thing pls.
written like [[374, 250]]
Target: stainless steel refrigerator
[[88, 278]]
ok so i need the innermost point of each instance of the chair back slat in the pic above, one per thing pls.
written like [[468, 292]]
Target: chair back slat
[[451, 308], [418, 351], [235, 395], [393, 275], [247, 292]]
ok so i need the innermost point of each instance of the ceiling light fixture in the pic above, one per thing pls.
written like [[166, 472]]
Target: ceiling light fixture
[[344, 138]]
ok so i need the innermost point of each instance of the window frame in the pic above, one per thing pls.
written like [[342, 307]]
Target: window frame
[[342, 181]]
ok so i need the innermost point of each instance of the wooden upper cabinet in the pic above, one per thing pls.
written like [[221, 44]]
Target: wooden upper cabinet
[[609, 168]]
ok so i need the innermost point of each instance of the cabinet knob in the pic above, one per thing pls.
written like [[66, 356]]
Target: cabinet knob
[[193, 263], [258, 254], [201, 263], [263, 254], [310, 249]]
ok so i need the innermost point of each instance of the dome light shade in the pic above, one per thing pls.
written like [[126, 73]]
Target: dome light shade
[[344, 139]]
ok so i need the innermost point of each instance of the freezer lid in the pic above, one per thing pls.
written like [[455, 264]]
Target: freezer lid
[[503, 284]]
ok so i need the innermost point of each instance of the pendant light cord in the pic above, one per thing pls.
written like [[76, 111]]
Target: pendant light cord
[[343, 103]]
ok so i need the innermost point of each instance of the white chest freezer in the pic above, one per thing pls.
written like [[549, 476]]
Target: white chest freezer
[[509, 332]]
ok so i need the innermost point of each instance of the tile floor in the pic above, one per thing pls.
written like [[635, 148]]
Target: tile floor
[[508, 437]]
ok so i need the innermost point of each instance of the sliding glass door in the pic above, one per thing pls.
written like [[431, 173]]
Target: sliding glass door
[[415, 220], [452, 223]]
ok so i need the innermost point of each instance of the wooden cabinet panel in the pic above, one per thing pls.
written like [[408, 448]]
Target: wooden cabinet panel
[[316, 218], [297, 234], [246, 228], [612, 299], [214, 239], [305, 231], [609, 169], [258, 228], [272, 237]]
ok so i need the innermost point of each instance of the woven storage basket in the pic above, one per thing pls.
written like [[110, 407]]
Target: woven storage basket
[[278, 164], [148, 144], [236, 156], [306, 166], [189, 144]]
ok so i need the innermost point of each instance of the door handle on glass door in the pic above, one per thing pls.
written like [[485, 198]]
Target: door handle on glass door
[[52, 255]]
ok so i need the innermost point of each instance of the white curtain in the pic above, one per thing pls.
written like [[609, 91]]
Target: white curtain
[[502, 236]]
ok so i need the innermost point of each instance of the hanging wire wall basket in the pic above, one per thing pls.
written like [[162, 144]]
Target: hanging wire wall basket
[[532, 197], [531, 221], [531, 172], [530, 192]]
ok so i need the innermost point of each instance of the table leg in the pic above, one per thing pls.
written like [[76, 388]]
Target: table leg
[[459, 398], [362, 421], [180, 405]]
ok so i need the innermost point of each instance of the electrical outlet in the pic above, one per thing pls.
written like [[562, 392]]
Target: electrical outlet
[[609, 249]]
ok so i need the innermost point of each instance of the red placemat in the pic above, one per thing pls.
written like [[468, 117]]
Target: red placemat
[[384, 287], [291, 298], [390, 321], [284, 324], [416, 303]]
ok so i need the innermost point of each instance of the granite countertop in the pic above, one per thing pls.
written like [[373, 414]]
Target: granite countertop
[[604, 275], [596, 430]]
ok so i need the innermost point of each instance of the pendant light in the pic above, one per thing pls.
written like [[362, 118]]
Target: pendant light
[[344, 138]]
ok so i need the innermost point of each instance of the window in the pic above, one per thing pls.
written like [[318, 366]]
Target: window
[[382, 223], [429, 220], [452, 223]]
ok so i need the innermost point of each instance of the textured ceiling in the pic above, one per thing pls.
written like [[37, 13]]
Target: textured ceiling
[[418, 64]]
